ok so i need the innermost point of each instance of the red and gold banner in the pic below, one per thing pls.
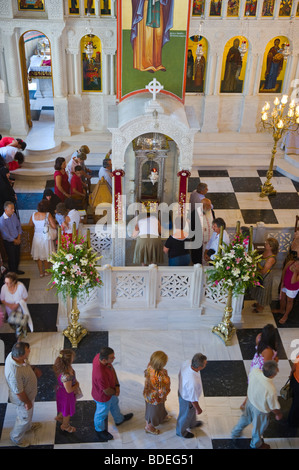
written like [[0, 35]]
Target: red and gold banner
[[118, 206]]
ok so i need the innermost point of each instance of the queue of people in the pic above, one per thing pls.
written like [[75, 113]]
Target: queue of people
[[261, 401]]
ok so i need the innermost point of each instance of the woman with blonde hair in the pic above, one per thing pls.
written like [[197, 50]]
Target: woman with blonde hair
[[67, 389], [156, 389]]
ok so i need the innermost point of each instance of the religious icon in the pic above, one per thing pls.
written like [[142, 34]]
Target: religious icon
[[196, 64], [33, 5], [105, 7], [73, 7], [198, 7], [268, 8], [250, 8], [233, 7], [285, 7], [150, 31], [215, 7], [153, 37], [233, 69], [89, 7], [273, 67], [91, 63]]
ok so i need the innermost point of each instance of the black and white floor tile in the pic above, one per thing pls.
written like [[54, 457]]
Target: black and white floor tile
[[224, 380]]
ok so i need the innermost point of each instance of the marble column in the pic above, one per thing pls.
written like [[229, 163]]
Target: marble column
[[58, 57], [16, 102]]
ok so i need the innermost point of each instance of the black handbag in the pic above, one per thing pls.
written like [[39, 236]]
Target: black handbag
[[286, 391]]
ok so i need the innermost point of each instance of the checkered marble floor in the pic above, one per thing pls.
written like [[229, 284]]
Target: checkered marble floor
[[235, 194], [235, 197]]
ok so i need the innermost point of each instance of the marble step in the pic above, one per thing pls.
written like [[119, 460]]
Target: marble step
[[289, 167]]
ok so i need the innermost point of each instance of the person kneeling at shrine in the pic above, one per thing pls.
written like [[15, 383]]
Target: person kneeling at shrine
[[77, 191]]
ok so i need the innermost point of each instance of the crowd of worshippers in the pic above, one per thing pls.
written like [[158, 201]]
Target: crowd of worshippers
[[58, 208], [260, 403]]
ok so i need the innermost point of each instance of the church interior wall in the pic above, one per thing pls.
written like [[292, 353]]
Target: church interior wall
[[77, 111]]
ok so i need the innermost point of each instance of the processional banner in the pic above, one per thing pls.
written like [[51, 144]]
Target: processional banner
[[152, 43]]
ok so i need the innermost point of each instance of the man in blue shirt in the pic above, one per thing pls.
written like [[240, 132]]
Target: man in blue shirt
[[10, 228]]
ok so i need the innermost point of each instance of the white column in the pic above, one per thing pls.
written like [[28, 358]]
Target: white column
[[258, 74], [77, 72], [70, 72], [112, 91], [286, 81], [97, 7], [113, 6], [16, 103], [105, 73], [12, 65], [210, 74], [217, 80], [251, 72], [58, 62]]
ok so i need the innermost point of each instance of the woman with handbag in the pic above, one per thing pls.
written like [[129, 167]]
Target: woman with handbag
[[45, 233], [68, 390]]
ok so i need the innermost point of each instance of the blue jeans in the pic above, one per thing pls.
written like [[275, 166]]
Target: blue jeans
[[259, 422], [183, 260], [102, 411]]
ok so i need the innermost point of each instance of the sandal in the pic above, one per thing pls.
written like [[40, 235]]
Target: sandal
[[69, 428], [282, 321], [152, 431]]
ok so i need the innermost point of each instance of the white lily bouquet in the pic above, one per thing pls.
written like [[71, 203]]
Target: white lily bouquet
[[235, 266], [73, 271]]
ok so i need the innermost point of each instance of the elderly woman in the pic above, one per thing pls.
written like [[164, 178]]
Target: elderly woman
[[148, 248], [263, 294], [156, 389], [61, 182]]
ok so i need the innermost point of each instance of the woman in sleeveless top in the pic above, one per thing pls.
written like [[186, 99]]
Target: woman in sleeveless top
[[41, 248], [263, 294], [288, 290], [266, 349], [148, 248]]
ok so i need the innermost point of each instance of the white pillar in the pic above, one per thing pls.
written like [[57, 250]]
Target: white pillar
[[105, 73], [112, 91]]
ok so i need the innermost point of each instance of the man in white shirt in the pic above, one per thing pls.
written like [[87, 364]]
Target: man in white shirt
[[262, 400], [106, 172], [190, 389], [212, 245]]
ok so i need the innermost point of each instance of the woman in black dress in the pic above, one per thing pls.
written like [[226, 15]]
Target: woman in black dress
[[293, 417]]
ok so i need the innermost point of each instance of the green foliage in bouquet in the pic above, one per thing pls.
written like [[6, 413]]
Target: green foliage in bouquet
[[73, 271], [235, 266]]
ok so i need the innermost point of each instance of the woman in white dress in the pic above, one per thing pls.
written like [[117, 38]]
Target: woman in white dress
[[42, 248]]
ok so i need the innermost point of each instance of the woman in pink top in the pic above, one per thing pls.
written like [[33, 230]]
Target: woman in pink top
[[289, 289]]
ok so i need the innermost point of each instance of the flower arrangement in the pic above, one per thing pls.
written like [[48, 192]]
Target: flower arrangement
[[236, 266], [73, 271]]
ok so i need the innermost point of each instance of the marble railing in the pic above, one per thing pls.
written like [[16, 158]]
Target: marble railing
[[146, 293], [102, 241]]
